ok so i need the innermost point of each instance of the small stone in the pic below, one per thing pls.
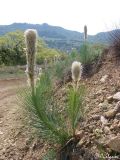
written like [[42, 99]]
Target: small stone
[[36, 144], [79, 134], [103, 105], [98, 131], [110, 114], [101, 141], [116, 96], [104, 121], [91, 128], [98, 93], [103, 79], [114, 144], [117, 116], [95, 117], [1, 122], [114, 127], [117, 107], [93, 137], [119, 125], [113, 112], [101, 99], [116, 121], [107, 130], [81, 142], [110, 99], [100, 105], [95, 82]]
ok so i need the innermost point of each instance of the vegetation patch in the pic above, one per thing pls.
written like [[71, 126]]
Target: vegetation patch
[[42, 105], [12, 50]]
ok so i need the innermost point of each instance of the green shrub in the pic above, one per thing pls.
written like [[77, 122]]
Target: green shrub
[[89, 53], [46, 53], [62, 66], [12, 49], [59, 69]]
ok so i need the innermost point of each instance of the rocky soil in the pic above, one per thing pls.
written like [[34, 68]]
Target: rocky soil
[[101, 129]]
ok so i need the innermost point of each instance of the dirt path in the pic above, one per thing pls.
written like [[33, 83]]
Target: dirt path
[[16, 140], [9, 115]]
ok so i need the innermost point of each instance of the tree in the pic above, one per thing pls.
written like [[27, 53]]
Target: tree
[[12, 48]]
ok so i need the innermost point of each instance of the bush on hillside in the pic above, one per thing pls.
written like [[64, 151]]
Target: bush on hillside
[[12, 49], [89, 53]]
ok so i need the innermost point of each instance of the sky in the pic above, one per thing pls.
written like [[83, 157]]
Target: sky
[[98, 15]]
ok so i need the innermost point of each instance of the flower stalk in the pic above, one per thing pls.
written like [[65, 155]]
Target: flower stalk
[[76, 70], [30, 42], [85, 32]]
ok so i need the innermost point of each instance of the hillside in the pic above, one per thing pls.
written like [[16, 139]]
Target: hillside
[[18, 142], [56, 37]]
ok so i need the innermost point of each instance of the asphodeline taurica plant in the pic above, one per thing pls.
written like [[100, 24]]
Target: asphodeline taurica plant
[[85, 32], [44, 108], [76, 70], [75, 97], [31, 41]]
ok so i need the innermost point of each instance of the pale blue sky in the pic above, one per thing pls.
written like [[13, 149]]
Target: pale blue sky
[[99, 15]]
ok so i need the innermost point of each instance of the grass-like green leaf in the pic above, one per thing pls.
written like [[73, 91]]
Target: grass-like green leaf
[[75, 105], [51, 155], [44, 111]]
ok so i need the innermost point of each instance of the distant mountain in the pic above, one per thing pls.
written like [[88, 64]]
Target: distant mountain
[[56, 37]]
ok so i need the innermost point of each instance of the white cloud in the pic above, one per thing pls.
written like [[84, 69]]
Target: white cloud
[[99, 15]]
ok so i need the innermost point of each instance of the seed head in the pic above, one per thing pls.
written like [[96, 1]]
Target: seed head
[[76, 71], [30, 41], [85, 32]]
